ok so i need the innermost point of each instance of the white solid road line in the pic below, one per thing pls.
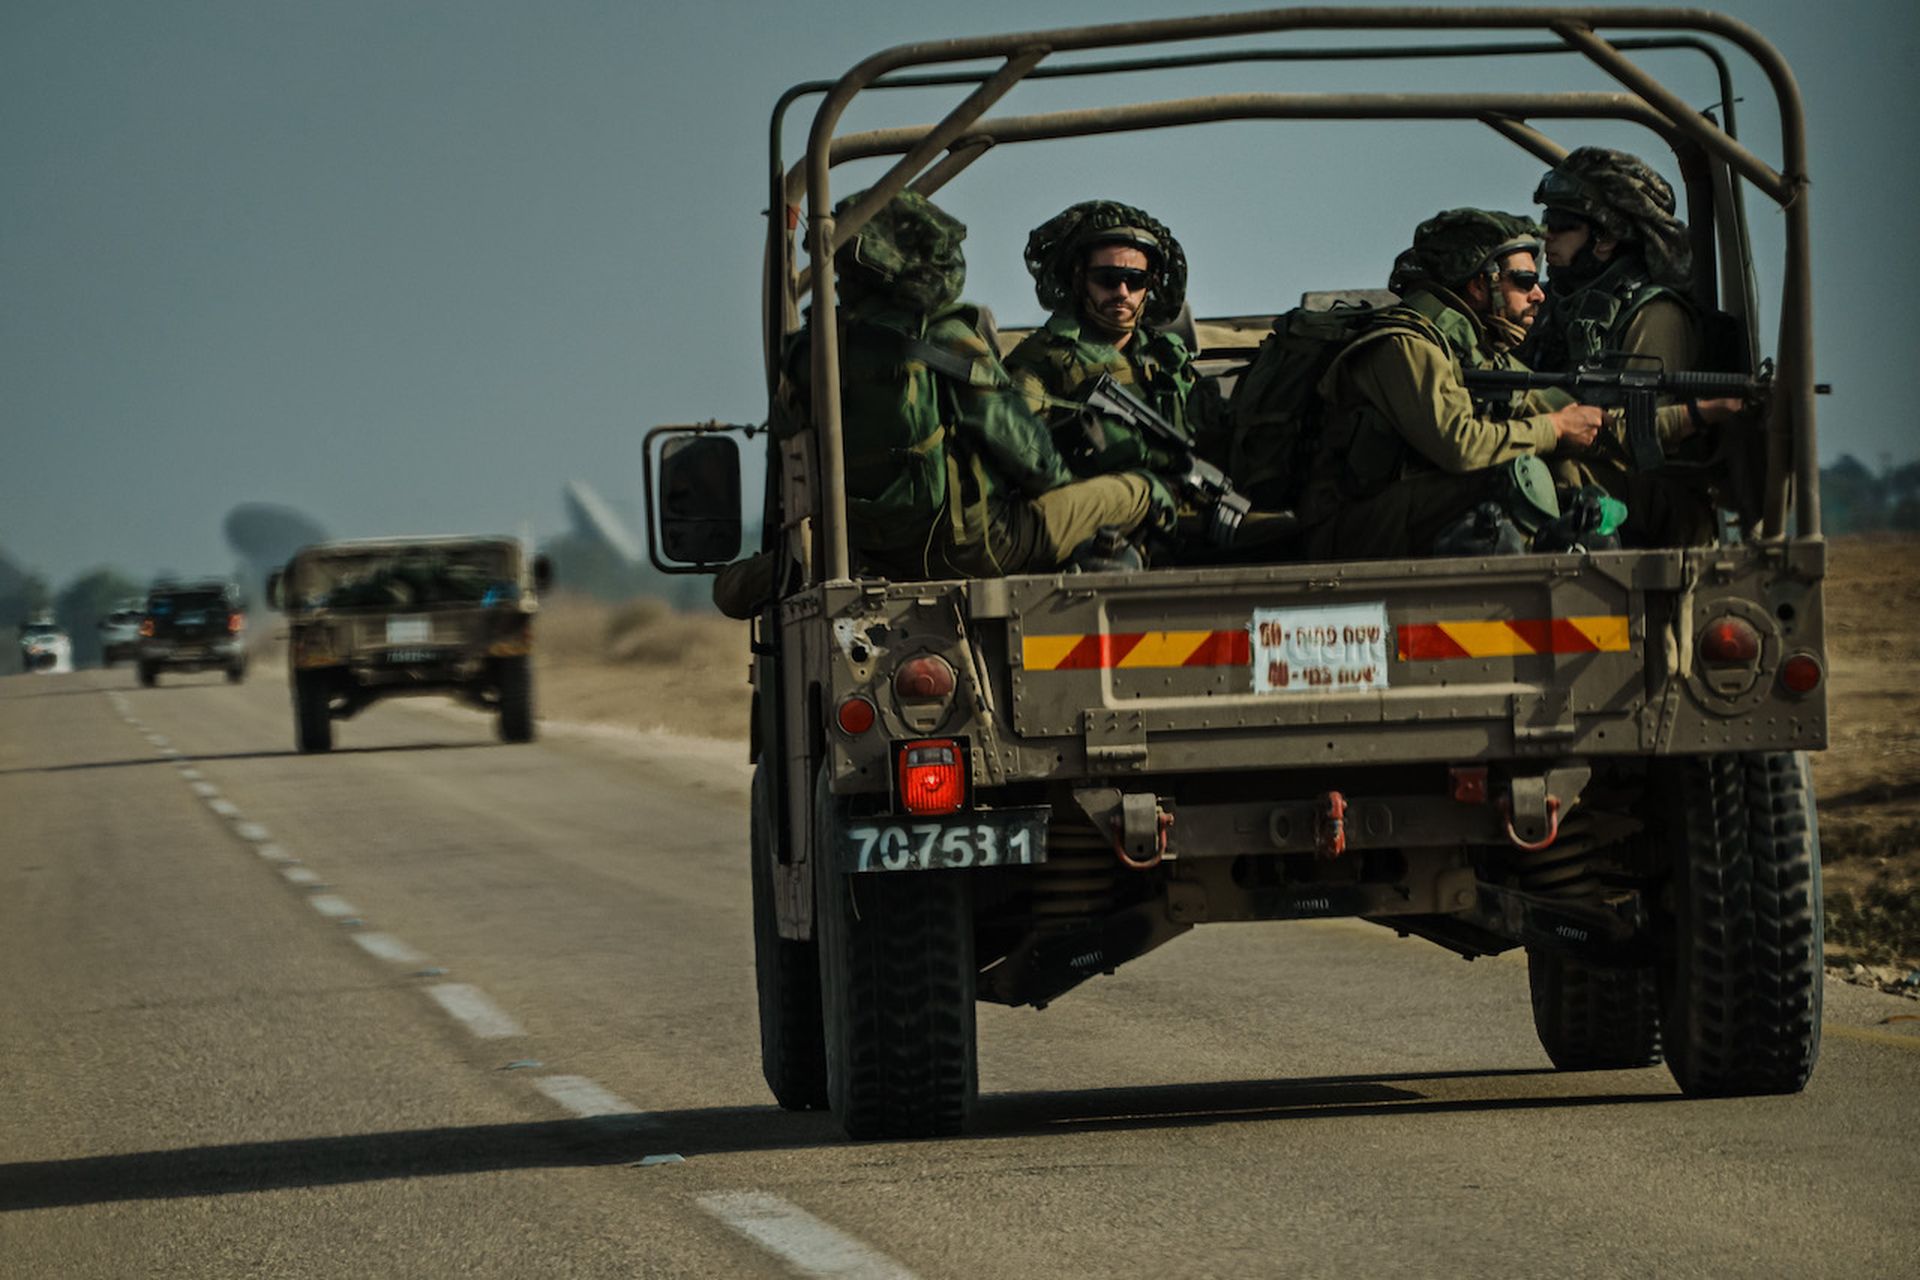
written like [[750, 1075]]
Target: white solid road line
[[791, 1233], [383, 946], [584, 1098], [482, 1016]]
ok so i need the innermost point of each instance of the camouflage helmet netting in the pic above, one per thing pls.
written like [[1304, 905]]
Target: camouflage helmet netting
[[1626, 199], [1054, 247], [1455, 244], [909, 252]]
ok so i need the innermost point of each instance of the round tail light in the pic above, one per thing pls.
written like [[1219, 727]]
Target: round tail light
[[927, 676], [1801, 673], [856, 716], [1730, 640]]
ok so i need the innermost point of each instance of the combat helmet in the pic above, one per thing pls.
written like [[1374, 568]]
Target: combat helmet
[[908, 252], [1624, 199], [1455, 245], [1056, 247]]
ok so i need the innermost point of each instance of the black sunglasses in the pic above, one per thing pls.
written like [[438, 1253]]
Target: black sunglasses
[[1558, 222], [1525, 280], [1113, 277]]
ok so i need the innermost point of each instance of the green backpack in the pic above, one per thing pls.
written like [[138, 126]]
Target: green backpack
[[1274, 412]]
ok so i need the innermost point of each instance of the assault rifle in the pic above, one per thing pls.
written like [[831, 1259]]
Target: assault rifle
[[1200, 481], [1633, 390]]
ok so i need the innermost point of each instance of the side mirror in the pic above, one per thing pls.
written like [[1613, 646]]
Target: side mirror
[[274, 581], [542, 572], [693, 508]]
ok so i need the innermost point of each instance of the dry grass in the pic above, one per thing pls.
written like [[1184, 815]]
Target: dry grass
[[644, 665]]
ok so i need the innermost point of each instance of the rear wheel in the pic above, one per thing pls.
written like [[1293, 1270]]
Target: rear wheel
[[236, 673], [149, 674], [896, 994], [1592, 1019], [312, 712], [1742, 966], [793, 1054], [515, 676]]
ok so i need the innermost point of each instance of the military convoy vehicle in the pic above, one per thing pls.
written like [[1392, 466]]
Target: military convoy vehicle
[[192, 626], [385, 617], [996, 789]]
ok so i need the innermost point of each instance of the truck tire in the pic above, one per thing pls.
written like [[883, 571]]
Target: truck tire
[[312, 712], [896, 994], [1742, 967], [236, 673], [1592, 1019], [793, 1052], [515, 677], [149, 674]]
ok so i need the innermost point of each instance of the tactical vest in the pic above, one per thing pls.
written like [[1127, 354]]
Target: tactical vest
[[1575, 328], [1360, 452], [1154, 365]]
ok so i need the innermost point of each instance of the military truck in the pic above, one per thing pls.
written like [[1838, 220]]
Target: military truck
[[192, 626], [387, 617], [996, 789]]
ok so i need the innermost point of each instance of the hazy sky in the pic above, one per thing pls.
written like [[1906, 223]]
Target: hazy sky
[[410, 265]]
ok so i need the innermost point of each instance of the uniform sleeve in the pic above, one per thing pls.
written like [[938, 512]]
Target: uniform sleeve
[[996, 420], [1663, 328], [1412, 383]]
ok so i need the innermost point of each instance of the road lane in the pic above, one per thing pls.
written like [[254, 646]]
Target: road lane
[[1307, 1099]]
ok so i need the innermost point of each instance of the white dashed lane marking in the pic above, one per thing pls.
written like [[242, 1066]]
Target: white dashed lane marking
[[332, 904], [301, 875], [791, 1233], [584, 1098], [385, 946], [205, 790], [470, 1005], [251, 832], [190, 773], [274, 853], [225, 808]]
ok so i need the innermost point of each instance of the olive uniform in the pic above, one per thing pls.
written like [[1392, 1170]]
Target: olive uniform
[[948, 473], [1404, 450], [1636, 304]]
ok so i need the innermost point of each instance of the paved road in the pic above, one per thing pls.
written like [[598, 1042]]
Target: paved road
[[433, 1006]]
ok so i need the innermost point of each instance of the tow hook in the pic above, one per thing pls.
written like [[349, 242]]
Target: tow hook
[[1330, 826], [1529, 803], [1141, 829]]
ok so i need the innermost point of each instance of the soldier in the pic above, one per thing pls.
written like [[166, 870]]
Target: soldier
[[948, 473], [1404, 452], [1113, 278], [1619, 283]]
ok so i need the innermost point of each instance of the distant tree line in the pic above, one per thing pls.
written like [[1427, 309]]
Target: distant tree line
[[77, 608], [1856, 499]]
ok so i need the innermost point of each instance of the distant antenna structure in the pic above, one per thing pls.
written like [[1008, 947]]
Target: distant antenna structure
[[594, 519]]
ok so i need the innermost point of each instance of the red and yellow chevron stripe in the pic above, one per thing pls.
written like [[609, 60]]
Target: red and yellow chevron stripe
[[1515, 637], [1132, 650]]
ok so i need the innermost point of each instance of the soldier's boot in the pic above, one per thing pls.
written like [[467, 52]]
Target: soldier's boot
[[1589, 520], [1107, 551]]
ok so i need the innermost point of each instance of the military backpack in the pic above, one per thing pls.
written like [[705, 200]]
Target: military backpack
[[1275, 410]]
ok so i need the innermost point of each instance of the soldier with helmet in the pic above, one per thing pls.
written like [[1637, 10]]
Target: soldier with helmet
[[1404, 453], [1113, 278], [948, 473], [1619, 286]]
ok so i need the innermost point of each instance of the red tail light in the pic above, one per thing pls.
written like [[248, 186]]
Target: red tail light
[[1801, 673], [236, 621], [146, 628], [1730, 640], [930, 777], [856, 715], [927, 676]]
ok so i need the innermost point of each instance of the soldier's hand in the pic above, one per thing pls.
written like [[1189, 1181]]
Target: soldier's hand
[[1576, 425], [1711, 413]]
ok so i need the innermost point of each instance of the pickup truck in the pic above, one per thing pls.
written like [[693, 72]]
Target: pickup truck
[[997, 789]]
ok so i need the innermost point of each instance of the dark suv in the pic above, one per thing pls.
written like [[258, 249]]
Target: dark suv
[[193, 626]]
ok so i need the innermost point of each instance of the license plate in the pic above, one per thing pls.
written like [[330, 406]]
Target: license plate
[[991, 838], [407, 656], [409, 630], [1332, 649], [191, 620]]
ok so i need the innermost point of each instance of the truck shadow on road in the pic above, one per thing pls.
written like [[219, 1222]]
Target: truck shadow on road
[[372, 1157]]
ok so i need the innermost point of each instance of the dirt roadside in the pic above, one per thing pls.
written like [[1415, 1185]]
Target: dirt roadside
[[644, 666]]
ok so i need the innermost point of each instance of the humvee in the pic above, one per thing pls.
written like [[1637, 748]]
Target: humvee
[[996, 789], [384, 617]]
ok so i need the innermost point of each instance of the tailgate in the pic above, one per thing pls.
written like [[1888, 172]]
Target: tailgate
[[1391, 662]]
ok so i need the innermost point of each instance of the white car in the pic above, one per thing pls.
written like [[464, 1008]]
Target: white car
[[120, 631], [45, 647]]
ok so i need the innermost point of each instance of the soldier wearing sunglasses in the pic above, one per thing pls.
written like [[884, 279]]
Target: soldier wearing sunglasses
[[1113, 278], [1404, 452], [1619, 290]]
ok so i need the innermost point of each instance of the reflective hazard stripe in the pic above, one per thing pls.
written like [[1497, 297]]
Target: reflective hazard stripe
[[1138, 649], [1437, 641]]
